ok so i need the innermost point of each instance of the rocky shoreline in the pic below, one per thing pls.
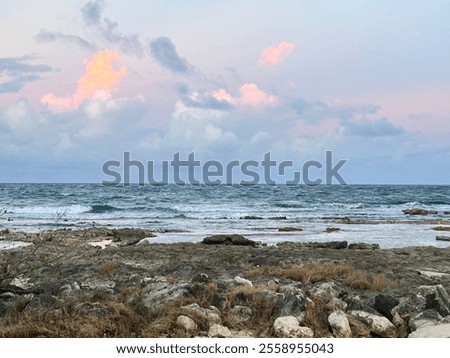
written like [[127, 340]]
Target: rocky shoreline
[[65, 285]]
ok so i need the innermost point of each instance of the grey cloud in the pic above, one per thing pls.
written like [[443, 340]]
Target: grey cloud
[[166, 54], [372, 128], [108, 29], [92, 12], [52, 36], [19, 72]]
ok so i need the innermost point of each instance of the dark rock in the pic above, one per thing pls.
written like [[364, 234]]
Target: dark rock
[[384, 305], [291, 305], [363, 246], [233, 239], [418, 211], [289, 229], [336, 245], [200, 278], [359, 305], [41, 301], [4, 309], [127, 236], [441, 228], [17, 290], [278, 218], [332, 229], [250, 217], [442, 238]]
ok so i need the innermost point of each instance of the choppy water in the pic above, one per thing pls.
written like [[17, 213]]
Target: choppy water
[[203, 210]]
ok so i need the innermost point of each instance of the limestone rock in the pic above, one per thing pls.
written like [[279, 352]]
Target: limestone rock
[[211, 314], [337, 304], [339, 324], [438, 331], [425, 318], [378, 325], [186, 323], [158, 298], [219, 331], [289, 327], [239, 281], [326, 291]]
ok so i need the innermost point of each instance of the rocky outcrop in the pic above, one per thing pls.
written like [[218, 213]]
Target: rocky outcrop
[[363, 246], [234, 239], [228, 290], [419, 211], [442, 238], [289, 229]]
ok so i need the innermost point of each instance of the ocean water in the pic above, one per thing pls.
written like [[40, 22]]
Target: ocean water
[[193, 212]]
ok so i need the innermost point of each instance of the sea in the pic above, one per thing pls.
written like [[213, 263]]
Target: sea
[[362, 213]]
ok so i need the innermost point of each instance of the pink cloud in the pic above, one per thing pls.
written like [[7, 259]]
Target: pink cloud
[[100, 77], [275, 55], [250, 95]]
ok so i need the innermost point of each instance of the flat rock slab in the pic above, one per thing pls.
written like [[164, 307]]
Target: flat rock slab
[[438, 331], [233, 239]]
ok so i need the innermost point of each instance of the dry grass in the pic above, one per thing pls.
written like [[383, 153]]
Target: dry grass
[[379, 282], [316, 272], [261, 304], [316, 318], [308, 273], [107, 267], [357, 279], [121, 321]]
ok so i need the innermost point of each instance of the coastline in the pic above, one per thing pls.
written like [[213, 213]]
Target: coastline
[[290, 289]]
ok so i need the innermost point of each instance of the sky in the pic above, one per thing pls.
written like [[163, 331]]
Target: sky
[[82, 82]]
